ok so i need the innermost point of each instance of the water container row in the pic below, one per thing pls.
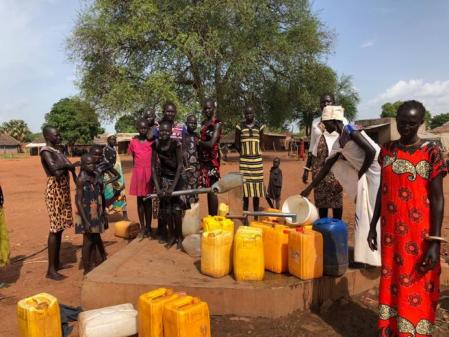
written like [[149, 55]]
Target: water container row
[[304, 252], [161, 313]]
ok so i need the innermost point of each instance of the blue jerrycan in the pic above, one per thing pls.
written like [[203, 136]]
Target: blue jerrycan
[[335, 244]]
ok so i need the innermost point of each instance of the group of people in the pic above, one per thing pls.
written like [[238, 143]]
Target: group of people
[[167, 156], [398, 190]]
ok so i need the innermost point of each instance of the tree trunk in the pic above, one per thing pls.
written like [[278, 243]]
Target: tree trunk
[[197, 82], [219, 89]]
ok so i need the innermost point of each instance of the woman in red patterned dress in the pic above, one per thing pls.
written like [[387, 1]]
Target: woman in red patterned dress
[[209, 153], [410, 203]]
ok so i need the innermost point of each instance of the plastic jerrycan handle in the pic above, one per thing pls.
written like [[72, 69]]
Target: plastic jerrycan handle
[[38, 303], [159, 293], [183, 301]]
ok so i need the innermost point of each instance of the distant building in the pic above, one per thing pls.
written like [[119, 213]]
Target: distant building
[[35, 146], [9, 144]]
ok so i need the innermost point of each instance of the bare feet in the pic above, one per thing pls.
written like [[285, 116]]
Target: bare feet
[[54, 275], [170, 243], [64, 266]]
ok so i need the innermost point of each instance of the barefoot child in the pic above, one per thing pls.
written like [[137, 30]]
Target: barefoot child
[[141, 150], [275, 185], [410, 204], [168, 153], [57, 196], [91, 216]]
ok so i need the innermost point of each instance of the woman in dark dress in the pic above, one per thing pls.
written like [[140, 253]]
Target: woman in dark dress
[[209, 152], [192, 171]]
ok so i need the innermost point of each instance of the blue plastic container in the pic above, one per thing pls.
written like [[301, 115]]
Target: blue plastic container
[[335, 242]]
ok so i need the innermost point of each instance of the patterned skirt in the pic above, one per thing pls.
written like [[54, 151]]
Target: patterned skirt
[[252, 170], [115, 193], [328, 193], [59, 205]]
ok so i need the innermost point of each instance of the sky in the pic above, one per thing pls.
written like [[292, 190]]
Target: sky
[[393, 49]]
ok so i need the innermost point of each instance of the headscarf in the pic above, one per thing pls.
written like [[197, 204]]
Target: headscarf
[[333, 112]]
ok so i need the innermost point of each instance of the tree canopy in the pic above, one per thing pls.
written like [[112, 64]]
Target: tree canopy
[[439, 120], [75, 119], [389, 109], [17, 129], [139, 53]]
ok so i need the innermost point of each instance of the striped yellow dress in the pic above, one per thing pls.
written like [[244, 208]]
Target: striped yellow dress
[[251, 164]]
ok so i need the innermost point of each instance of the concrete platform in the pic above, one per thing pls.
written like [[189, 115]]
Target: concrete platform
[[145, 265]]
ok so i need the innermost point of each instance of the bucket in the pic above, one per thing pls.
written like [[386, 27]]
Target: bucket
[[306, 212]]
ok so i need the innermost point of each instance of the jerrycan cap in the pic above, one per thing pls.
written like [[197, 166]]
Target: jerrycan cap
[[299, 229]]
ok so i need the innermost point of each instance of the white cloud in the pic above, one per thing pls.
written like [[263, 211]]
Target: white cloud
[[368, 44], [434, 96]]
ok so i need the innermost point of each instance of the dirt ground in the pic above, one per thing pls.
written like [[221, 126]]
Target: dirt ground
[[23, 183]]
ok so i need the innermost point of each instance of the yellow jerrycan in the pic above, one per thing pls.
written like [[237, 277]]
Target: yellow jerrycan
[[248, 254], [272, 219], [305, 253], [186, 316], [275, 245], [262, 225], [150, 311], [38, 316], [216, 253], [126, 229], [216, 222]]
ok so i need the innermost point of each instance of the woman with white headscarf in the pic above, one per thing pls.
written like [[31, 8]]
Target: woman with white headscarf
[[328, 193], [353, 161]]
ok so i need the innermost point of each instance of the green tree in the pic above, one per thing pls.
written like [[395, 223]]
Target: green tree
[[390, 109], [347, 96], [141, 52], [75, 119], [17, 129], [439, 120], [126, 124]]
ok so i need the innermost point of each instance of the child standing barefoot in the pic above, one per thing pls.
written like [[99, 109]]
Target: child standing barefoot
[[91, 216], [141, 150], [167, 151], [275, 185]]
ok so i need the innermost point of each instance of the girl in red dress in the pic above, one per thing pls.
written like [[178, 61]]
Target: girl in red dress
[[141, 150], [410, 203]]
